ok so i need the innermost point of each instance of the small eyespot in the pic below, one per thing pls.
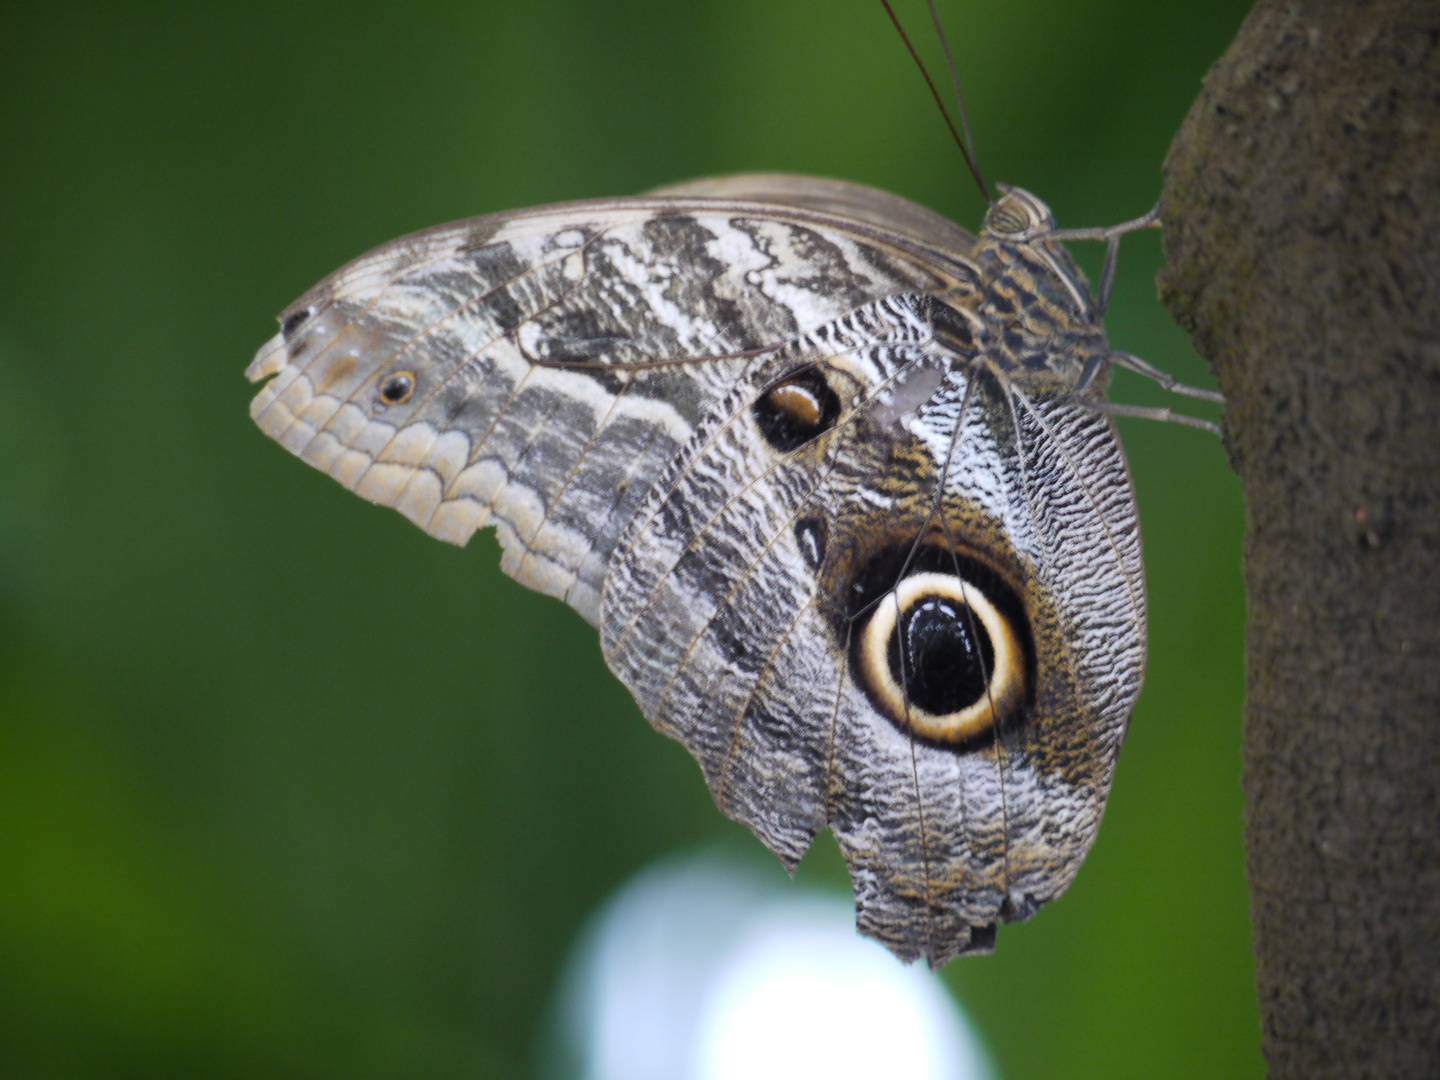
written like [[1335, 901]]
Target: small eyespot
[[396, 388], [795, 410], [939, 658]]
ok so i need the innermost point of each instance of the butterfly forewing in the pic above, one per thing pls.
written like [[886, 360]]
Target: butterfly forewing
[[755, 430], [530, 371]]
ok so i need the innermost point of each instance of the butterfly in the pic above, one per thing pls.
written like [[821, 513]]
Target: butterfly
[[835, 479]]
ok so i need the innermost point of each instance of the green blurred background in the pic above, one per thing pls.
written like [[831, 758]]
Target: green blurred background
[[288, 788]]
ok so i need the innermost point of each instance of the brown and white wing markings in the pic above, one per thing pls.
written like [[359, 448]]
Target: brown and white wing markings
[[712, 613], [722, 424], [534, 370], [1002, 828], [729, 613]]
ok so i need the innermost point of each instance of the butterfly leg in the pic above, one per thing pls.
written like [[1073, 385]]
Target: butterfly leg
[[1107, 276], [1111, 235], [1146, 412], [1093, 367], [1133, 363], [1150, 220]]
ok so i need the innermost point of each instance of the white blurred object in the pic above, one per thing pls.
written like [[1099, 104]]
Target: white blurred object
[[706, 968]]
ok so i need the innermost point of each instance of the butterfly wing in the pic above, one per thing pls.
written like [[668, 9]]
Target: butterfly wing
[[536, 370], [717, 422], [746, 599]]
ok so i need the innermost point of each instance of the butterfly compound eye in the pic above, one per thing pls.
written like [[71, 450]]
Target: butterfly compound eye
[[795, 410], [939, 658], [1018, 216], [1008, 217], [396, 388]]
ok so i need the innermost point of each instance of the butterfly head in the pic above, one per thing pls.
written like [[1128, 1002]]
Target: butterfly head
[[1018, 216]]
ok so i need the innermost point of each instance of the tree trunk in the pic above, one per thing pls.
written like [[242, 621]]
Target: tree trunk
[[1302, 230]]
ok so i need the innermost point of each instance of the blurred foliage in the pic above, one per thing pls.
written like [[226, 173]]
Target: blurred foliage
[[288, 788]]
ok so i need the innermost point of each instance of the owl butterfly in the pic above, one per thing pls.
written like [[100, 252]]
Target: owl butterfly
[[833, 477]]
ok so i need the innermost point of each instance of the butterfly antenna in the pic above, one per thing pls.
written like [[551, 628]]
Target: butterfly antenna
[[959, 97], [939, 102]]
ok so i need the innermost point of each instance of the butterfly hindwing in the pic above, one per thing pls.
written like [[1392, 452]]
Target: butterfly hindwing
[[739, 592], [996, 827]]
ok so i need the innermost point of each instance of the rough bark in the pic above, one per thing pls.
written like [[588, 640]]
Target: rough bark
[[1302, 230]]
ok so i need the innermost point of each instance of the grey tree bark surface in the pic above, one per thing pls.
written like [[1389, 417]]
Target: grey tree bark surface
[[1302, 231]]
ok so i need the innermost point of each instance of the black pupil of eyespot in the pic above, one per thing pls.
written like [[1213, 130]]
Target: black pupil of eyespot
[[947, 655], [395, 388]]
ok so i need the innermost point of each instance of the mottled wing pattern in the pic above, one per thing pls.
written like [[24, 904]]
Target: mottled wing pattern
[[713, 609], [728, 613], [728, 424], [534, 371]]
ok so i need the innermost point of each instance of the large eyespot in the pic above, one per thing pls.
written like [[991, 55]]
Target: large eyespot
[[940, 658], [796, 409], [396, 388]]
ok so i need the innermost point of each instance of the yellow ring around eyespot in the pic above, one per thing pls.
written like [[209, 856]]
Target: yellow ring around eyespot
[[1007, 681]]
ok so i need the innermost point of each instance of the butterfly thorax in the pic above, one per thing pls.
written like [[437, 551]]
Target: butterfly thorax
[[1039, 321]]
